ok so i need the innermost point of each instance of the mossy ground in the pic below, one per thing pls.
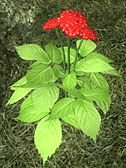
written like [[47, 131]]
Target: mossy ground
[[108, 19]]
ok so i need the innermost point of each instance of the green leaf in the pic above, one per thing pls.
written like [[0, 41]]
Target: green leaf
[[80, 73], [48, 137], [41, 73], [31, 112], [74, 93], [112, 72], [54, 78], [85, 83], [28, 85], [58, 71], [99, 81], [104, 104], [62, 108], [92, 65], [87, 118], [32, 52], [95, 94], [72, 54], [54, 53], [71, 119], [19, 83], [18, 94], [99, 56], [45, 97], [86, 47], [34, 64], [81, 82], [69, 82]]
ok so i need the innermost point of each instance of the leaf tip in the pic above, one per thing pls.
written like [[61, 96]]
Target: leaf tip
[[7, 104], [15, 118], [16, 47]]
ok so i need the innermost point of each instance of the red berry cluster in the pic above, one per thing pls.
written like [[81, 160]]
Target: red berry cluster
[[51, 24], [72, 23]]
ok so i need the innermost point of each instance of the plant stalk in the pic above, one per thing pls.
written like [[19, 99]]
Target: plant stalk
[[61, 43], [68, 55], [77, 51]]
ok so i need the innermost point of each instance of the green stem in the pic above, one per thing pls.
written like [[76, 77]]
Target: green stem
[[68, 55], [77, 51], [61, 43]]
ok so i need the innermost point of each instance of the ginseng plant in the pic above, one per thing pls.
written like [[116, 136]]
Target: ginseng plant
[[63, 84]]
